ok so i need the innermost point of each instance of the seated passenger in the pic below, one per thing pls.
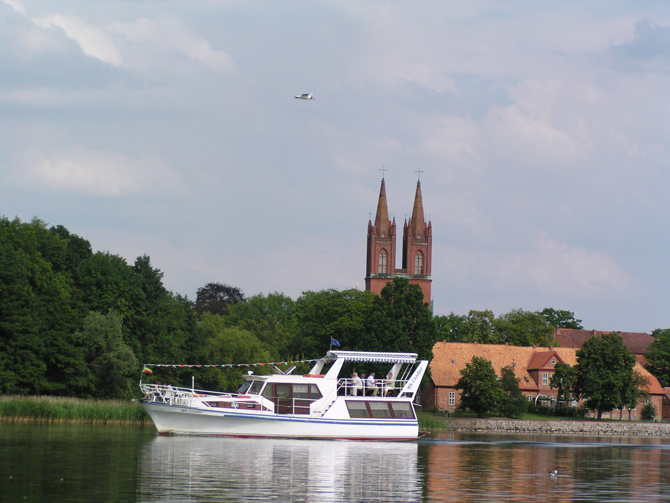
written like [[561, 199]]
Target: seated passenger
[[389, 385], [356, 383], [371, 384]]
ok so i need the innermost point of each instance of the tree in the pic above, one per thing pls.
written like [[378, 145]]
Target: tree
[[563, 380], [561, 318], [636, 392], [399, 321], [222, 344], [481, 391], [110, 361], [450, 328], [329, 313], [215, 298], [515, 403], [522, 328], [603, 373], [658, 356], [270, 318]]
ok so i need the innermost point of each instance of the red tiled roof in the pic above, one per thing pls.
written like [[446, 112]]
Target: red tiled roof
[[449, 358], [636, 342]]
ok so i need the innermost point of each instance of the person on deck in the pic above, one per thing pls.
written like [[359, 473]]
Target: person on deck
[[372, 384], [389, 384], [357, 384]]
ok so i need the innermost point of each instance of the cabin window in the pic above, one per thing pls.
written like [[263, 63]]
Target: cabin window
[[255, 387], [301, 391], [379, 409], [357, 409], [452, 398], [314, 392], [267, 392], [382, 262], [545, 378], [244, 387], [418, 263], [402, 410], [283, 391]]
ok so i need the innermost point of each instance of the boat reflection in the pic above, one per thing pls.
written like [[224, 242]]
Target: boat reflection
[[232, 469]]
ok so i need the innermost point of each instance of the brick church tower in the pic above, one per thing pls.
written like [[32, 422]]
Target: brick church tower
[[417, 244]]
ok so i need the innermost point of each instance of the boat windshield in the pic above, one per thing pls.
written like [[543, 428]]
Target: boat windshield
[[244, 387], [255, 388]]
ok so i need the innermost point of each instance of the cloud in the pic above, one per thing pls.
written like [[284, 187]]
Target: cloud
[[647, 50], [95, 173], [92, 40], [16, 5], [170, 35], [548, 268]]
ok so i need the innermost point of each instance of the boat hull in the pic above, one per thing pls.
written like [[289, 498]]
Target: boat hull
[[183, 420]]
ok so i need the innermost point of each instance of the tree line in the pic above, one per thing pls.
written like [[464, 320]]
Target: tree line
[[74, 322]]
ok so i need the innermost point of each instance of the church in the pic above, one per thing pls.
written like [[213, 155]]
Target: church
[[417, 244]]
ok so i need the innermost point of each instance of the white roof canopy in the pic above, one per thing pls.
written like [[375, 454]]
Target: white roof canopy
[[359, 356]]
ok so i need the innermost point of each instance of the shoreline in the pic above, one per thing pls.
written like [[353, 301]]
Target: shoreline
[[554, 427]]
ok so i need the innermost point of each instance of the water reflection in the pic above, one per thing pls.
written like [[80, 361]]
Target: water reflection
[[66, 463], [226, 469], [482, 468]]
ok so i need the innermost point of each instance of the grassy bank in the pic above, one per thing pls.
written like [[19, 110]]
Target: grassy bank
[[45, 409]]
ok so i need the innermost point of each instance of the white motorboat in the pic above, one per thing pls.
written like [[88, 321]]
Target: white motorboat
[[314, 405]]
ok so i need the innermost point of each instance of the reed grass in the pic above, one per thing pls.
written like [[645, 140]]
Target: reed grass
[[428, 421], [48, 409]]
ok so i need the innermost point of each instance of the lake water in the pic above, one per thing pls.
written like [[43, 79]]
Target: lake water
[[65, 463]]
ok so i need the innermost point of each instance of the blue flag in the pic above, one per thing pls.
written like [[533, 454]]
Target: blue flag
[[334, 342]]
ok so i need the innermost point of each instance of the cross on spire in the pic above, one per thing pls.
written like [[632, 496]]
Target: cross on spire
[[418, 172], [383, 170]]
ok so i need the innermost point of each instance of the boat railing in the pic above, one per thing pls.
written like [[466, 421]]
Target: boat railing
[[382, 387], [172, 395]]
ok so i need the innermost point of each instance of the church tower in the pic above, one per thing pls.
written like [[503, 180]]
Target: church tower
[[417, 247], [381, 247]]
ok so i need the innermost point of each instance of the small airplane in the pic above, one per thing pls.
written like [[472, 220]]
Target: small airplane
[[304, 97]]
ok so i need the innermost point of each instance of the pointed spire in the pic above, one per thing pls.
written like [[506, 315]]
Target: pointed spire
[[418, 222], [382, 219]]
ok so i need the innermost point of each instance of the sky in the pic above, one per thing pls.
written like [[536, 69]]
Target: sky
[[541, 131]]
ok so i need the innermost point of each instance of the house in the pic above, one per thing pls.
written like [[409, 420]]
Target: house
[[533, 366], [636, 342]]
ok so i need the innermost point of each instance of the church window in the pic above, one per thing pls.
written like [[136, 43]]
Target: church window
[[382, 262], [418, 263]]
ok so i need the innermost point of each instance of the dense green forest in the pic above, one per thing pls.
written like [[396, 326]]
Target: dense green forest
[[74, 322]]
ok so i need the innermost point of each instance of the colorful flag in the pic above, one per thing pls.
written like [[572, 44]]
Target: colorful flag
[[334, 342], [147, 370]]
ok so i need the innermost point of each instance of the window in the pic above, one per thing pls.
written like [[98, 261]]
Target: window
[[545, 378], [300, 391], [357, 409], [418, 263], [380, 409], [314, 392], [402, 410], [529, 398], [255, 387], [452, 398], [382, 262]]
